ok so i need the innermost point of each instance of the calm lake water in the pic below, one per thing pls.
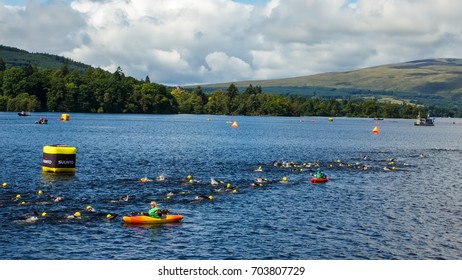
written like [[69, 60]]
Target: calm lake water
[[370, 208]]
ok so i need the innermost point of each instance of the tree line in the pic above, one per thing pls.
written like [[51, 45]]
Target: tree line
[[98, 91]]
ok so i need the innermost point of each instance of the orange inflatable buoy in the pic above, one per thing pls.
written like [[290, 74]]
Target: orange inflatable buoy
[[234, 125], [376, 130]]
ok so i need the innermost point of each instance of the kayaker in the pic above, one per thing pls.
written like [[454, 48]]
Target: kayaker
[[155, 211], [319, 174]]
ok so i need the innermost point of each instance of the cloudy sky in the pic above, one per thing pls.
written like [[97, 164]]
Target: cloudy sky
[[178, 42]]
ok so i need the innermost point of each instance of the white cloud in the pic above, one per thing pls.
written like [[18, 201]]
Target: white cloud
[[220, 64], [51, 27], [189, 41]]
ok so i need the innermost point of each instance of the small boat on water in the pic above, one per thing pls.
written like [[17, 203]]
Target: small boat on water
[[315, 180], [422, 121], [149, 220], [24, 114], [42, 121]]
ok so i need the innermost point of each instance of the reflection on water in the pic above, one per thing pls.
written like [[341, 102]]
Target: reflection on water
[[393, 195]]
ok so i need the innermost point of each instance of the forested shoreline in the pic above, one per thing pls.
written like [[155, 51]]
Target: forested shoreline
[[98, 91]]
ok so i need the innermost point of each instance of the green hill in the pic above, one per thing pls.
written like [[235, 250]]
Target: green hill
[[16, 57], [429, 81]]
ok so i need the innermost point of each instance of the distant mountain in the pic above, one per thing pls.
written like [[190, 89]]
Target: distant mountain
[[424, 81], [17, 57], [428, 81]]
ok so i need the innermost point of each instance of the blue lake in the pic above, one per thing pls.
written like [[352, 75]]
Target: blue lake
[[370, 208]]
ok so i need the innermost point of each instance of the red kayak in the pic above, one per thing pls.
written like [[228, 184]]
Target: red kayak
[[319, 180]]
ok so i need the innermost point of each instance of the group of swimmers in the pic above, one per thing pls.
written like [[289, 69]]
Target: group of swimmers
[[219, 186], [361, 165], [39, 200]]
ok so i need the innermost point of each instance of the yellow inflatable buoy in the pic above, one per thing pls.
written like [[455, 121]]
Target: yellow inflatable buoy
[[376, 130], [5, 184], [65, 117], [59, 158], [44, 214], [330, 119], [234, 125]]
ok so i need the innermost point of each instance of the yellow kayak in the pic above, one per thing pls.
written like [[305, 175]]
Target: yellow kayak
[[150, 220]]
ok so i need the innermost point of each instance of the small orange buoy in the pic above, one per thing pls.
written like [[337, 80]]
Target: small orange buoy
[[376, 130], [234, 125]]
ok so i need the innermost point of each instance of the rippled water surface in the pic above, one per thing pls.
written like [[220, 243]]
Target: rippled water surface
[[412, 210]]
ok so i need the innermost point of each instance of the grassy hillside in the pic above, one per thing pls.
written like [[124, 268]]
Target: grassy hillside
[[429, 81], [16, 57]]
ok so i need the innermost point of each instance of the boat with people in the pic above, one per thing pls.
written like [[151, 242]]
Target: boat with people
[[422, 121], [319, 177], [24, 114], [42, 121], [315, 180], [143, 219]]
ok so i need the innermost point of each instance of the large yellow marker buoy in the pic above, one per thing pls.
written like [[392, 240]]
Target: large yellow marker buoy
[[59, 159], [330, 119], [234, 125], [376, 130], [65, 117]]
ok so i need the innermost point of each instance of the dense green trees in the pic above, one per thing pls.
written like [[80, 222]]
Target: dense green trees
[[98, 91]]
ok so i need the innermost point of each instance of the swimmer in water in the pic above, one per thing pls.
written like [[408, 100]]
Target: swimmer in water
[[203, 197], [76, 215], [33, 219], [145, 179]]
